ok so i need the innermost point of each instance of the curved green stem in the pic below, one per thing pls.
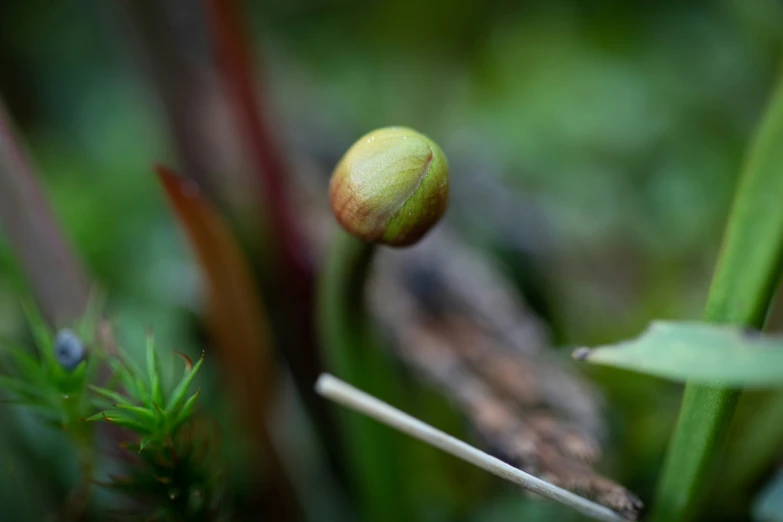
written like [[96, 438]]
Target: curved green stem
[[352, 353], [741, 292]]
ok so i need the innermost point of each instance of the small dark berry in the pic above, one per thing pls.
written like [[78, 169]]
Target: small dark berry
[[69, 349]]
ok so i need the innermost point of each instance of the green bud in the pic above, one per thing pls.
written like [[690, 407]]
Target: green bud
[[391, 187]]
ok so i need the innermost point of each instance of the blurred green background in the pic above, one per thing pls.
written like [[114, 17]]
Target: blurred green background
[[594, 148]]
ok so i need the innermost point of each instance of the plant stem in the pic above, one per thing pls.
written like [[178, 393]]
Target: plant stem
[[351, 352], [741, 292], [347, 395], [235, 65], [294, 285]]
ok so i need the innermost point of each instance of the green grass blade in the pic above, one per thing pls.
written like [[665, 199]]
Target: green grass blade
[[741, 291]]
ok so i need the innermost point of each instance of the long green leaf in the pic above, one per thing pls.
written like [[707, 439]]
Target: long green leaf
[[698, 352], [741, 292]]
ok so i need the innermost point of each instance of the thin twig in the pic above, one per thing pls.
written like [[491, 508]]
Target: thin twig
[[340, 392]]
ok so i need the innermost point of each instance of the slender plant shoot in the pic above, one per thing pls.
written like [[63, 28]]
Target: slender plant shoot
[[391, 187], [742, 289]]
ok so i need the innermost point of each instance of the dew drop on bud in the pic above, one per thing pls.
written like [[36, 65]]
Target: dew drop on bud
[[68, 349]]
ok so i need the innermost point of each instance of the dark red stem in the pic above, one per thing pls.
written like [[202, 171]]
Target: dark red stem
[[235, 66], [296, 286]]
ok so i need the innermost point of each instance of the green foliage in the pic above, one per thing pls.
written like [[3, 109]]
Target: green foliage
[[41, 383], [175, 469], [741, 292], [147, 409], [181, 478], [626, 141], [698, 352]]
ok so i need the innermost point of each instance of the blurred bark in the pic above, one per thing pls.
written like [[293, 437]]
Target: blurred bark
[[455, 320], [54, 273]]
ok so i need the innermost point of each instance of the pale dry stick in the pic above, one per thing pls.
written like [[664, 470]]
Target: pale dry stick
[[343, 393]]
